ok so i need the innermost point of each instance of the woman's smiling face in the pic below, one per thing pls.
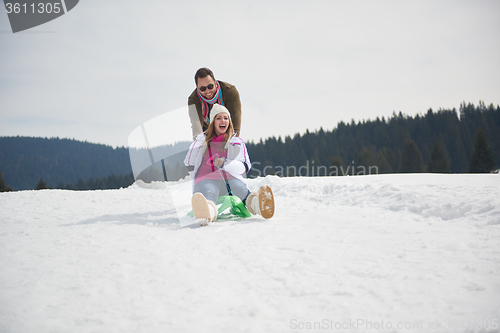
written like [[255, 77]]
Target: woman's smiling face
[[221, 123]]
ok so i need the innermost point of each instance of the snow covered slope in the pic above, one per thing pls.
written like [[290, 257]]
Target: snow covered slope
[[388, 253]]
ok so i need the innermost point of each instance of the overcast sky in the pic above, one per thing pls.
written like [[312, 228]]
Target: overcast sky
[[104, 68]]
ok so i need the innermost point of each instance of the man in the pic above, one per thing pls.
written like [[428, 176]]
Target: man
[[207, 93]]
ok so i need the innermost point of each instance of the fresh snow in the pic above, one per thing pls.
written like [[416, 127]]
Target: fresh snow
[[387, 253]]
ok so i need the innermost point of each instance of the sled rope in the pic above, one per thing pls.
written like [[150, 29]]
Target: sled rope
[[220, 173]]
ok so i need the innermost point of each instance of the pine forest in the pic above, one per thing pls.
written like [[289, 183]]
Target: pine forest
[[443, 141]]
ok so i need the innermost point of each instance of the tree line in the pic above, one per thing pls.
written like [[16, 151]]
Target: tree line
[[24, 160], [441, 141], [454, 141], [108, 183]]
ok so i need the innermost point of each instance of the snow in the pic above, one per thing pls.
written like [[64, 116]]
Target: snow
[[387, 253]]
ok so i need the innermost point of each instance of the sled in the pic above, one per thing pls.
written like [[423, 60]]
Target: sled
[[229, 207]]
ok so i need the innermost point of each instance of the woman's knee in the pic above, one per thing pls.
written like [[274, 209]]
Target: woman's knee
[[239, 188], [208, 189]]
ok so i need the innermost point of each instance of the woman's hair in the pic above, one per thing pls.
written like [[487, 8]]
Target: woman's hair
[[211, 133]]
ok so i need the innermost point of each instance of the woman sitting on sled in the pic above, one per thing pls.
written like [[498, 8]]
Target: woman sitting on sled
[[217, 162]]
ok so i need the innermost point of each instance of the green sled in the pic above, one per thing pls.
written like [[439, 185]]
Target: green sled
[[230, 206]]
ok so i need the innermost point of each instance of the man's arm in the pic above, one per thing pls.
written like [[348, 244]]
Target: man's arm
[[194, 114], [233, 104], [195, 121]]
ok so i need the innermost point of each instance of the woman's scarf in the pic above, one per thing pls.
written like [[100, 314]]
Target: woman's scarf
[[204, 102]]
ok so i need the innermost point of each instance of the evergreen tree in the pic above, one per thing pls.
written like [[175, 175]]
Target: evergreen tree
[[42, 185], [101, 184], [336, 167], [382, 163], [81, 185], [482, 157], [437, 162], [412, 160], [3, 185], [365, 162], [91, 185]]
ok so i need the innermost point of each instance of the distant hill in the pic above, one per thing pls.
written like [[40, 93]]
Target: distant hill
[[72, 164], [24, 160]]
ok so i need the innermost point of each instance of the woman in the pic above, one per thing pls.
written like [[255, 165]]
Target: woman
[[218, 157]]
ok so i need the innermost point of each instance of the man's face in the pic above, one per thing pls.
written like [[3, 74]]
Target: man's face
[[205, 82]]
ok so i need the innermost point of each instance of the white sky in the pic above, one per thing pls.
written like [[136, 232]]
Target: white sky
[[104, 68]]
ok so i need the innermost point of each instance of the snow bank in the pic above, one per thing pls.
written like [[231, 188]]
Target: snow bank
[[388, 253]]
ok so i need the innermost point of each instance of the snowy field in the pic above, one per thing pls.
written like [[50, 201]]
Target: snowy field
[[388, 253]]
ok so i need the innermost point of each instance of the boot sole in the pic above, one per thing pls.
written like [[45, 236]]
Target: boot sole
[[266, 202], [201, 210]]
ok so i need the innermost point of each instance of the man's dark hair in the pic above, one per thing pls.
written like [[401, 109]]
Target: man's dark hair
[[201, 73]]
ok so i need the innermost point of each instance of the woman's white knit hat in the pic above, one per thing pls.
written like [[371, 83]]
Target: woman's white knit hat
[[216, 109]]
